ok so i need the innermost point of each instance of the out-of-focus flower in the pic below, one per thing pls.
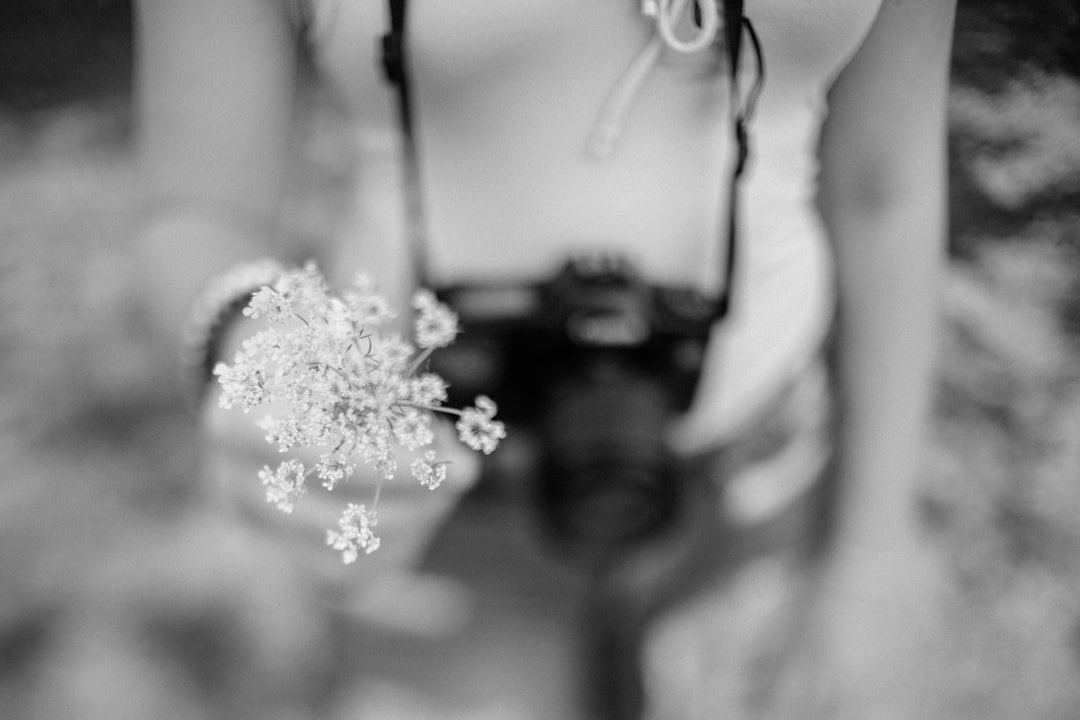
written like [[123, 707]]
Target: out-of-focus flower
[[285, 485], [355, 533], [436, 325], [428, 470], [477, 427]]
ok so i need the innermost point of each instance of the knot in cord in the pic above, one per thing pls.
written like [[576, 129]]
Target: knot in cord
[[667, 16]]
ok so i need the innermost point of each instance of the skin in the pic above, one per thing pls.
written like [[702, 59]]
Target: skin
[[215, 140], [883, 197], [215, 119]]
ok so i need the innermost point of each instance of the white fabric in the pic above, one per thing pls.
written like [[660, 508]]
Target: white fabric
[[506, 93]]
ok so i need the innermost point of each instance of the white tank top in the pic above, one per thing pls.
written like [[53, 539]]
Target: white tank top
[[506, 94]]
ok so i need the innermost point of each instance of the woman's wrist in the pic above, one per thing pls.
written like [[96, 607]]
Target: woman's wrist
[[188, 254], [874, 517]]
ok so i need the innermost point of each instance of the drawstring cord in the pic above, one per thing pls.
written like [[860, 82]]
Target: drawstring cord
[[666, 15]]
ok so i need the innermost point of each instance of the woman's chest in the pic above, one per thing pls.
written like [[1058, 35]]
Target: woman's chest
[[462, 43], [508, 94]]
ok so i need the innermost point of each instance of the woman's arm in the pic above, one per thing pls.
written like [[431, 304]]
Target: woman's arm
[[859, 647], [883, 196], [215, 101]]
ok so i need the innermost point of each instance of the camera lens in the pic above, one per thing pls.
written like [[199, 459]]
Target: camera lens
[[604, 478]]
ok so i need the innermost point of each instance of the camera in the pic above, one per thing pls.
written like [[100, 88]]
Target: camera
[[593, 362]]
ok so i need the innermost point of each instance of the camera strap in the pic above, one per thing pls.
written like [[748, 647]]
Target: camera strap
[[742, 110], [396, 71], [736, 25]]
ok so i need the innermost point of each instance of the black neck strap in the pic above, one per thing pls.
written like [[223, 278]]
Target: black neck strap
[[396, 70], [742, 110]]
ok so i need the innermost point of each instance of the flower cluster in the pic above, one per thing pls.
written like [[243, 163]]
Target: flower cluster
[[339, 381], [355, 533]]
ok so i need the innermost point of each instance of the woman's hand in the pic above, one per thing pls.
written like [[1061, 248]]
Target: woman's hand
[[380, 586], [860, 643]]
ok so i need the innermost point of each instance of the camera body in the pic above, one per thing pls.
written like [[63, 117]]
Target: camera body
[[594, 362]]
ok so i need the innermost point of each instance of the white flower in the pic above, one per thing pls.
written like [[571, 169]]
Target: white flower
[[285, 432], [428, 470], [242, 384], [392, 353], [436, 325], [333, 467], [336, 384], [305, 289], [477, 428], [412, 429], [426, 390], [368, 307], [285, 485], [356, 533], [267, 301]]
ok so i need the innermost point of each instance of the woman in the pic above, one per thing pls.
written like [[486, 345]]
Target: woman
[[843, 206]]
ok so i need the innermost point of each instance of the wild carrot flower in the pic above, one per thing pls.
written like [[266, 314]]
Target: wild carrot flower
[[428, 470], [436, 324], [285, 485], [355, 533], [334, 381], [478, 429]]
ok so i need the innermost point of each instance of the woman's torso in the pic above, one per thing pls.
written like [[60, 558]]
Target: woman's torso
[[506, 95]]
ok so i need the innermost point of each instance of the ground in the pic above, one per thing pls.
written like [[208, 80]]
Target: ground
[[120, 599]]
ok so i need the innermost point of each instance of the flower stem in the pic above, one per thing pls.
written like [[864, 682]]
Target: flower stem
[[432, 408], [378, 492], [419, 359]]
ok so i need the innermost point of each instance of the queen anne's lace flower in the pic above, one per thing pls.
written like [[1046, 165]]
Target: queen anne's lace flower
[[436, 325], [426, 389], [334, 382], [356, 533], [478, 429], [428, 470], [242, 385], [267, 301], [333, 467], [391, 354], [412, 429], [368, 307], [285, 485]]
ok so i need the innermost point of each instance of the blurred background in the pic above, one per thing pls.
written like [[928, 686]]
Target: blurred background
[[117, 601]]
